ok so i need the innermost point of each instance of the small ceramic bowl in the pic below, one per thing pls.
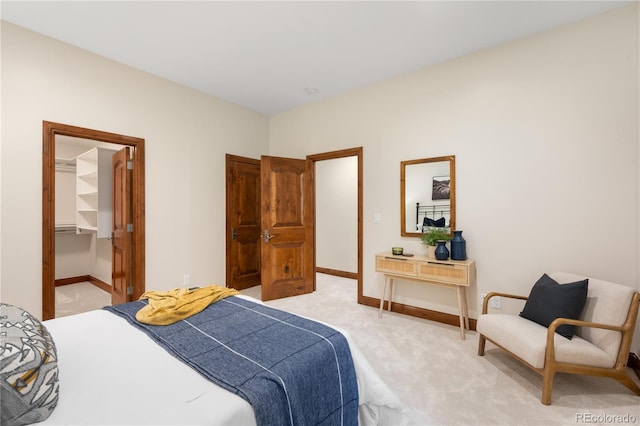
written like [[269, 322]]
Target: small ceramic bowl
[[396, 250]]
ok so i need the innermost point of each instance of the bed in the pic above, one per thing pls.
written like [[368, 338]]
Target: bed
[[112, 373]]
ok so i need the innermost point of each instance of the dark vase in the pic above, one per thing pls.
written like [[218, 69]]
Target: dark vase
[[458, 246], [442, 253]]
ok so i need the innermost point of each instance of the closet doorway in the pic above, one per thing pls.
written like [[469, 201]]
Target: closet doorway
[[116, 232]]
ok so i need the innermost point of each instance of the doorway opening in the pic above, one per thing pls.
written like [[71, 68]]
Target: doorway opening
[[83, 224], [133, 268], [243, 233], [358, 154]]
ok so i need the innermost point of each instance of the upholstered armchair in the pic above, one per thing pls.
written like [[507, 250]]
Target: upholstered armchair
[[595, 342]]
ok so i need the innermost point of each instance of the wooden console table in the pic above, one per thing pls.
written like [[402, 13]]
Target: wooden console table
[[448, 273]]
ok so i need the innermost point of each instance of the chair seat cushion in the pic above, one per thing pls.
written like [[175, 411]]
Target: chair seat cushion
[[527, 340]]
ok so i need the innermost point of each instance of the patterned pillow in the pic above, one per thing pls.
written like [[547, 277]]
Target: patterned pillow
[[28, 368]]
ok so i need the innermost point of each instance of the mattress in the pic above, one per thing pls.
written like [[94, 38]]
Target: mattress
[[113, 374]]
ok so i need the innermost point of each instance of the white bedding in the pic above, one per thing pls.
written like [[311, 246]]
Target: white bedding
[[113, 374]]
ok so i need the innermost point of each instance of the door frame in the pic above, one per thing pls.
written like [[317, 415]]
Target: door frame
[[49, 132], [351, 152]]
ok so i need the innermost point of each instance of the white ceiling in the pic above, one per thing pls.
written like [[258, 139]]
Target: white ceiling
[[263, 55]]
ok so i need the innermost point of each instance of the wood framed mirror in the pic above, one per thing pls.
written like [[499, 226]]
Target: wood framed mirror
[[427, 194]]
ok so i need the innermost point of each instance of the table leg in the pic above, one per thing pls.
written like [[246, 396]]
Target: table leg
[[461, 310], [466, 308], [390, 292], [384, 289]]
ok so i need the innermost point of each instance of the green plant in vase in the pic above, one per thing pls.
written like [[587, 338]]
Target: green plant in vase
[[431, 236]]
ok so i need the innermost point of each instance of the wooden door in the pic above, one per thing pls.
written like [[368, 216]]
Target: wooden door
[[121, 260], [287, 225], [243, 222]]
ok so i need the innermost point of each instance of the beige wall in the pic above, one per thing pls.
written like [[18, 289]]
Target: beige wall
[[637, 335], [545, 134], [187, 134]]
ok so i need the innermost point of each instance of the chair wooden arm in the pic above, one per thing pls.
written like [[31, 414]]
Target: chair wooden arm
[[485, 302], [551, 330], [579, 323]]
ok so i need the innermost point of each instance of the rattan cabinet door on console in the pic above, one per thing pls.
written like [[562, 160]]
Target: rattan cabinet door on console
[[448, 273]]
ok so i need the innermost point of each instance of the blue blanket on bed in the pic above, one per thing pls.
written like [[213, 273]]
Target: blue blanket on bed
[[292, 371]]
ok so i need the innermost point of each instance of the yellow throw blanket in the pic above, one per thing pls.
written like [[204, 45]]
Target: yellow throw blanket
[[168, 307]]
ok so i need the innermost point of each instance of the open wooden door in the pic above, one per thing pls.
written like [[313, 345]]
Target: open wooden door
[[121, 259], [287, 227], [243, 222]]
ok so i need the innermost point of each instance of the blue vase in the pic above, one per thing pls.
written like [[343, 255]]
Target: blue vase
[[458, 246], [442, 253]]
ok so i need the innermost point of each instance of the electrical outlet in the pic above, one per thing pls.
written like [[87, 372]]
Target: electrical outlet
[[496, 302], [186, 280]]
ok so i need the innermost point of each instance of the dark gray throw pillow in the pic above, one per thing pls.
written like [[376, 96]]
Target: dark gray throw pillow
[[28, 368], [438, 223], [549, 300]]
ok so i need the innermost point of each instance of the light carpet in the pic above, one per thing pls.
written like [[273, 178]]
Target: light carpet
[[442, 381], [81, 297]]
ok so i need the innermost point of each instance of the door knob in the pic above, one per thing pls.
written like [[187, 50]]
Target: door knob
[[266, 236]]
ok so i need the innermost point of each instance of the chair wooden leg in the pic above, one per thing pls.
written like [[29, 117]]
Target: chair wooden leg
[[547, 385], [629, 384], [481, 343]]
